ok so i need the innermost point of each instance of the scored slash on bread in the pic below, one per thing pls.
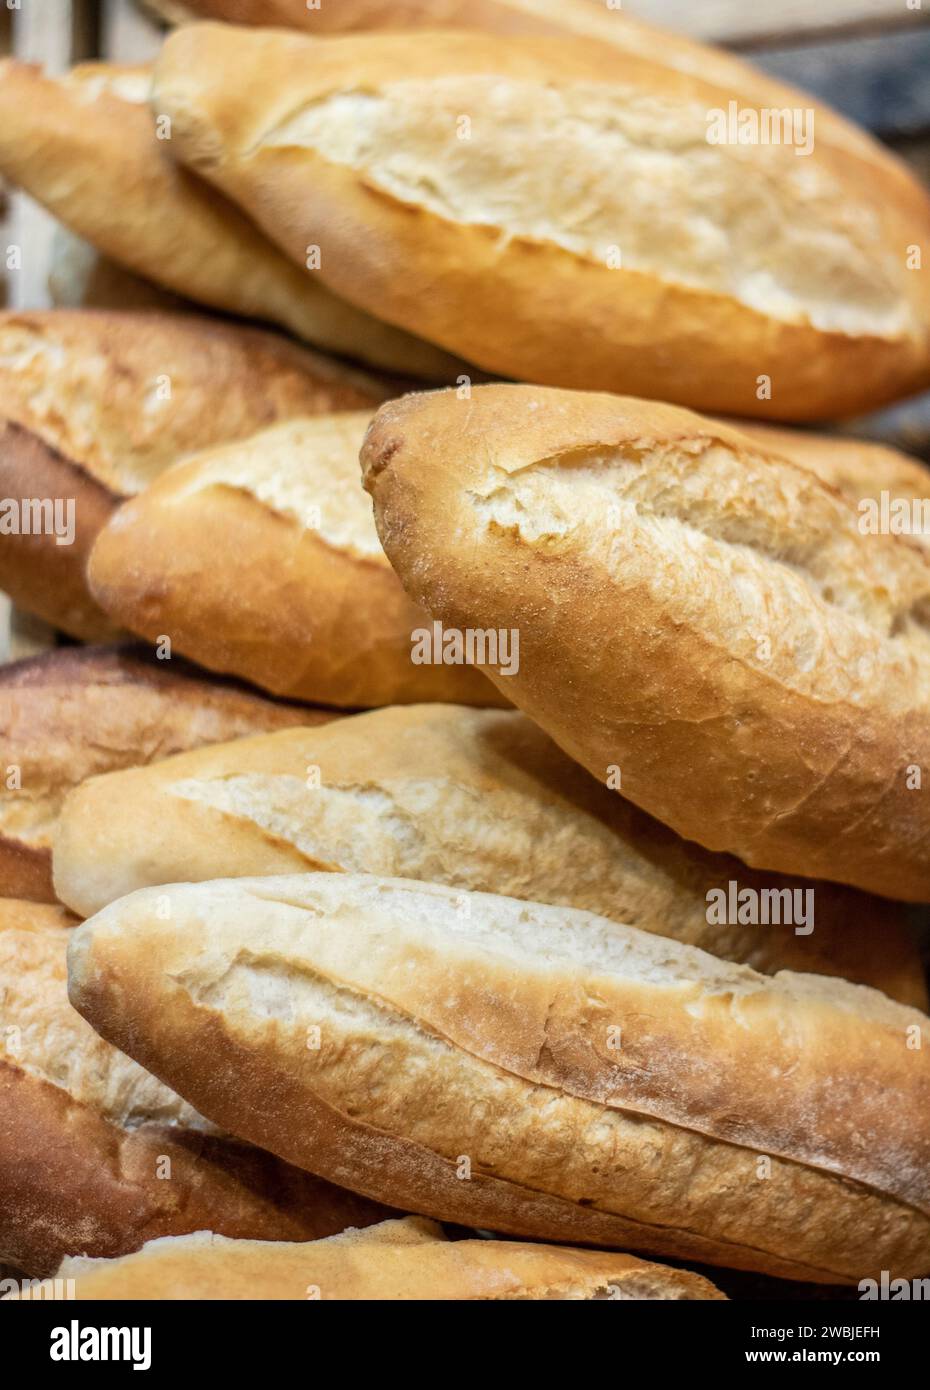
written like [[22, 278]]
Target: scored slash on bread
[[552, 209], [615, 27], [693, 608], [530, 1070], [477, 799], [860, 469]]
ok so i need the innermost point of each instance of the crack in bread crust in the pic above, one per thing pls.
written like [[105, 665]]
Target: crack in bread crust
[[442, 1033], [706, 616]]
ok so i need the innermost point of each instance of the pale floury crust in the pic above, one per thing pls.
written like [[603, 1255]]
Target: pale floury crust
[[476, 799], [528, 1069], [693, 609], [97, 1155], [859, 468], [408, 1259], [581, 231]]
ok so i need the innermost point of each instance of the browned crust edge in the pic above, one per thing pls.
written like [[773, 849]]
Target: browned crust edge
[[73, 1183], [41, 576]]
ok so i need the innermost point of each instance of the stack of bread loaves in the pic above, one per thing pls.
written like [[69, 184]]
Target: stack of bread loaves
[[498, 805]]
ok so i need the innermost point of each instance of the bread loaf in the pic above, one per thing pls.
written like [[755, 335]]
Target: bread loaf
[[560, 211], [262, 560], [76, 712], [86, 147], [477, 799], [404, 1260], [94, 405], [694, 612], [97, 1156], [531, 1070], [581, 18]]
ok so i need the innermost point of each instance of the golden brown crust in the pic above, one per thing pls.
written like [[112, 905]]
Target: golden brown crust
[[26, 871], [261, 559], [693, 610], [75, 1182], [123, 395], [95, 1157], [95, 404], [41, 576], [477, 799], [75, 713], [465, 1062], [396, 1260], [652, 275], [85, 146]]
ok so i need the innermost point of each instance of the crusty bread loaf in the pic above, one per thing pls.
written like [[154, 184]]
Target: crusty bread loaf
[[95, 404], [261, 559], [407, 1259], [477, 799], [531, 1070], [558, 210], [97, 1156], [860, 469], [86, 147], [581, 18], [693, 610], [76, 712]]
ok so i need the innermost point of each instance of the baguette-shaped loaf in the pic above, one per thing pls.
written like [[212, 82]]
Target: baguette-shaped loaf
[[408, 1259], [261, 560], [693, 610], [581, 18], [527, 1069], [96, 1155], [477, 799], [95, 404], [85, 145], [77, 712], [560, 211]]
